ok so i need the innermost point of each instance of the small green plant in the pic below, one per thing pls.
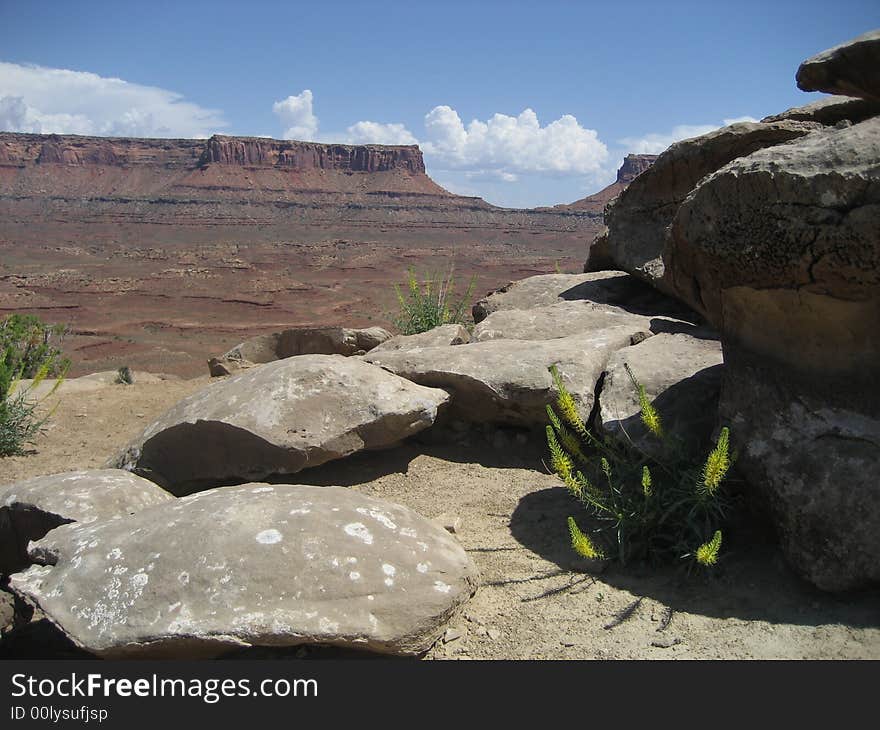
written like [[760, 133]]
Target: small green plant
[[30, 344], [26, 351], [430, 304], [642, 506], [124, 376]]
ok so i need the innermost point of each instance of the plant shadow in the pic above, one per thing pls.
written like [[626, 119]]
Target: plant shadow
[[752, 582]]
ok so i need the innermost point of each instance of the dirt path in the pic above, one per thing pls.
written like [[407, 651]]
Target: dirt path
[[535, 600]]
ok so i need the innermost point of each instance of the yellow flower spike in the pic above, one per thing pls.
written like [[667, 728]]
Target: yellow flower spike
[[646, 481], [582, 544], [567, 406], [560, 462], [707, 553], [649, 414], [716, 465]]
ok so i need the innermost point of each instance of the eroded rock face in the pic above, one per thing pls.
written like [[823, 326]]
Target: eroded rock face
[[297, 341], [603, 287], [681, 373], [780, 251], [254, 565], [638, 219], [279, 418], [852, 68], [830, 111], [445, 334], [31, 508], [506, 381]]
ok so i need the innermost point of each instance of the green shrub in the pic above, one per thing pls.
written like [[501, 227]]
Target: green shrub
[[656, 508], [429, 305], [32, 344], [124, 376], [27, 350]]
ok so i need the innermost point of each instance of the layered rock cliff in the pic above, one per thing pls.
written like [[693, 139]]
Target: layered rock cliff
[[632, 167]]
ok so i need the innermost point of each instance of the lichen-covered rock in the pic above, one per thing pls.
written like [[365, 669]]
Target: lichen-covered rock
[[852, 68], [279, 418], [638, 219], [253, 565], [445, 334], [681, 374], [31, 508], [506, 381], [297, 341]]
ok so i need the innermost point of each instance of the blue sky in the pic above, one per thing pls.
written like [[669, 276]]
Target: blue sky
[[600, 79]]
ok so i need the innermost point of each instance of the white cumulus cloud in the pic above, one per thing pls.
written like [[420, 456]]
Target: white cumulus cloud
[[507, 146], [52, 100], [297, 117], [378, 133], [656, 142]]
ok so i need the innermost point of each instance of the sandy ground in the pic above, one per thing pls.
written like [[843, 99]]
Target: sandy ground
[[536, 600]]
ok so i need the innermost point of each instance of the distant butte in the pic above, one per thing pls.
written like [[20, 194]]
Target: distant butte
[[632, 167]]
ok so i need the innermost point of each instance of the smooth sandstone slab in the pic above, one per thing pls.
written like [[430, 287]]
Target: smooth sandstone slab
[[279, 418], [506, 381], [445, 334], [852, 68], [31, 508], [253, 565]]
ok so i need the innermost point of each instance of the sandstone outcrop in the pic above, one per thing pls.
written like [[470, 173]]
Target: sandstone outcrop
[[254, 565], [445, 334], [780, 251], [851, 69], [297, 341], [606, 287], [29, 509], [279, 418], [638, 219], [506, 381]]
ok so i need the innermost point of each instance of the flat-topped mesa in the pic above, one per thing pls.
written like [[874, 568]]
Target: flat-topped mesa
[[633, 166], [264, 152]]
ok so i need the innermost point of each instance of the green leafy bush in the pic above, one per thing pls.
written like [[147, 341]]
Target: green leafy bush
[[656, 508], [27, 350], [31, 344], [431, 304]]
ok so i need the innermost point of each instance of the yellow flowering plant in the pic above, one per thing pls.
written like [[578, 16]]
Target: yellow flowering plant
[[640, 506]]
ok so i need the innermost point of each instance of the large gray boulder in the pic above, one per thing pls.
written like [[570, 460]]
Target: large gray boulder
[[614, 288], [555, 321], [506, 381], [297, 341], [830, 111], [852, 68], [445, 334], [780, 250], [638, 218], [31, 508], [279, 418], [681, 373], [253, 565]]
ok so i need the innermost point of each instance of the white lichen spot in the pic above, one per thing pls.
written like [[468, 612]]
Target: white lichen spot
[[422, 567], [389, 582], [139, 580], [371, 598], [300, 511], [442, 587], [380, 517], [183, 578], [354, 575], [359, 530], [389, 570], [259, 490], [407, 532], [327, 626], [268, 537]]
